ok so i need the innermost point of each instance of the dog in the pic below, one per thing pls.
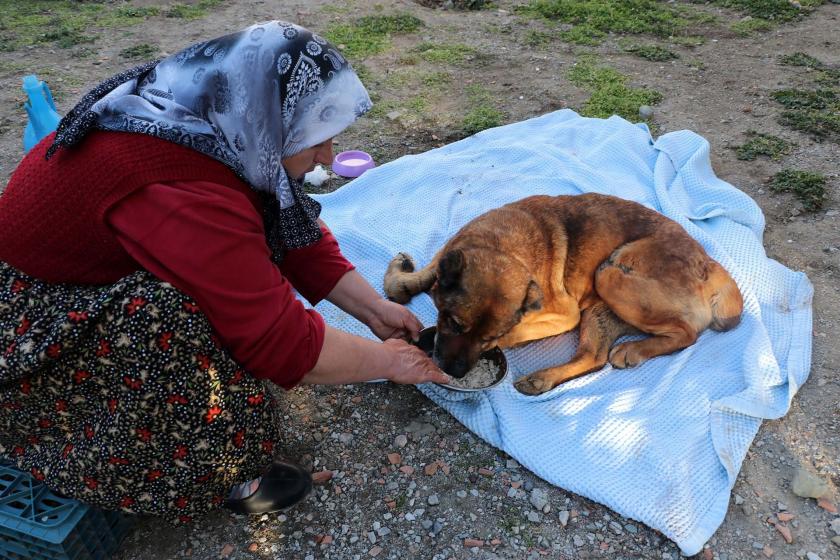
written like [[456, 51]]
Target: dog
[[543, 265]]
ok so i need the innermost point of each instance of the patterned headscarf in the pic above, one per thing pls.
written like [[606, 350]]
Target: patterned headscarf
[[248, 100]]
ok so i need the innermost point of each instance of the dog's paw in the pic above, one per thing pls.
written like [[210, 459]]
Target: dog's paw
[[626, 355], [393, 284], [533, 384]]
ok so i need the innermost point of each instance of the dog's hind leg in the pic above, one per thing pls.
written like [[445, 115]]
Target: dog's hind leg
[[599, 329], [401, 282]]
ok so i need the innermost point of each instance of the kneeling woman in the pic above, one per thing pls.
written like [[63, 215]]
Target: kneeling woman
[[148, 255]]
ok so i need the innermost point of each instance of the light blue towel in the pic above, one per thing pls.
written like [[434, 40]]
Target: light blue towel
[[661, 443]]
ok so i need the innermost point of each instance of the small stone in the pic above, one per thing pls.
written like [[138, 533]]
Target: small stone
[[616, 527], [401, 440], [812, 556], [469, 543], [836, 540], [394, 458], [564, 517], [431, 468], [321, 477], [827, 505], [383, 531], [433, 500], [767, 551], [577, 541], [738, 500], [375, 551], [646, 111], [346, 439], [226, 550], [253, 547], [426, 523], [785, 516], [511, 493], [393, 115], [485, 472], [511, 464], [461, 494], [407, 469], [437, 527], [758, 546], [708, 554], [785, 532], [835, 526], [371, 537], [781, 506], [538, 498], [534, 517], [808, 485], [528, 485]]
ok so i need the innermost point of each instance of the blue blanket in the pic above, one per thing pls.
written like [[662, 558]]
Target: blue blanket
[[661, 443]]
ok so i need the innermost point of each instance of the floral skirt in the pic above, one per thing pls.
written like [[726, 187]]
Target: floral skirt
[[121, 397]]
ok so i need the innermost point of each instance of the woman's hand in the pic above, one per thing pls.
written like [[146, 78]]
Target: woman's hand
[[391, 320], [412, 365]]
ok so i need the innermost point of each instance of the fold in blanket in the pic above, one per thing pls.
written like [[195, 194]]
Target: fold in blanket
[[661, 443]]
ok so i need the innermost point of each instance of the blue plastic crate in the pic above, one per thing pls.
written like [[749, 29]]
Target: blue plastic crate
[[37, 524]]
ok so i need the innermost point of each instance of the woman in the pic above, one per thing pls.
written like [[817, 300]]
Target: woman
[[148, 254]]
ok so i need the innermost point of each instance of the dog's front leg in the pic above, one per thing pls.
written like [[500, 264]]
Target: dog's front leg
[[538, 326], [599, 329], [401, 282]]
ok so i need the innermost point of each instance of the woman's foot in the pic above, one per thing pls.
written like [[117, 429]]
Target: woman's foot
[[282, 486]]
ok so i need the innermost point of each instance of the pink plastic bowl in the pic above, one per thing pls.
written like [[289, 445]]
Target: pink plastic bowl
[[352, 163]]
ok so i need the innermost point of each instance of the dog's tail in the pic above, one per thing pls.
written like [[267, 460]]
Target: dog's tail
[[401, 283], [725, 300]]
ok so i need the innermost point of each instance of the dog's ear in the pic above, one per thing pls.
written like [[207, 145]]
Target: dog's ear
[[450, 268], [533, 298]]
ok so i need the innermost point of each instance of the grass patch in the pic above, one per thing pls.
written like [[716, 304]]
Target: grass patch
[[750, 25], [370, 34], [143, 50], [807, 186], [763, 145], [610, 93], [814, 112], [824, 75], [775, 10], [482, 113], [534, 38], [66, 23], [437, 81], [804, 99], [583, 35], [690, 41], [619, 16], [192, 11], [445, 53], [652, 52]]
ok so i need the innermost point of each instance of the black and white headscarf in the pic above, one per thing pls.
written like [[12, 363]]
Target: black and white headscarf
[[248, 100]]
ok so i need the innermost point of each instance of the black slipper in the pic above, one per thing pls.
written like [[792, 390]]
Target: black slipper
[[282, 486]]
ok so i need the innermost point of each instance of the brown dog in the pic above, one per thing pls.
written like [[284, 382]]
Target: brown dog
[[542, 265]]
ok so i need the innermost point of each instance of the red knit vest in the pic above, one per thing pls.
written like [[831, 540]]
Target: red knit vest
[[52, 213]]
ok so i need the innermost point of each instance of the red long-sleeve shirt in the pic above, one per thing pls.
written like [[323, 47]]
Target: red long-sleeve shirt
[[208, 240]]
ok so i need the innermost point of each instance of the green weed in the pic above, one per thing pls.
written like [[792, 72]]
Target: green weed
[[652, 52], [192, 11], [750, 25], [583, 35], [776, 10], [370, 34], [804, 99], [800, 59], [482, 113], [534, 38], [142, 51], [620, 16], [447, 53], [610, 94], [807, 186], [763, 145]]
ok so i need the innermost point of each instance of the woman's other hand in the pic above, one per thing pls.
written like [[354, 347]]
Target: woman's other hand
[[391, 320], [411, 365]]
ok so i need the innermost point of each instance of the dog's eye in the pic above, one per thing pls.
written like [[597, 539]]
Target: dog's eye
[[453, 325]]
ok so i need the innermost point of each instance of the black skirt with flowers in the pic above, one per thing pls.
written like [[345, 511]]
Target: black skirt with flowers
[[121, 397]]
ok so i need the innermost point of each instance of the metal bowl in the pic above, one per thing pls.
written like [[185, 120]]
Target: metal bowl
[[426, 343]]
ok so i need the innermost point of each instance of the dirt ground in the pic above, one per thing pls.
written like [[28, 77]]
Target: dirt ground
[[720, 89]]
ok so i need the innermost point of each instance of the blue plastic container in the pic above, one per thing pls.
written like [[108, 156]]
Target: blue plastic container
[[37, 524], [43, 117]]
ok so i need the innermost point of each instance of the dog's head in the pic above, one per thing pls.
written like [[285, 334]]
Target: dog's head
[[480, 294]]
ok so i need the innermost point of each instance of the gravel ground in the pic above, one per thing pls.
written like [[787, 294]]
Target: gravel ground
[[396, 476]]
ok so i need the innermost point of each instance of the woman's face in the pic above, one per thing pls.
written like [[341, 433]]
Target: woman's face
[[303, 162]]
